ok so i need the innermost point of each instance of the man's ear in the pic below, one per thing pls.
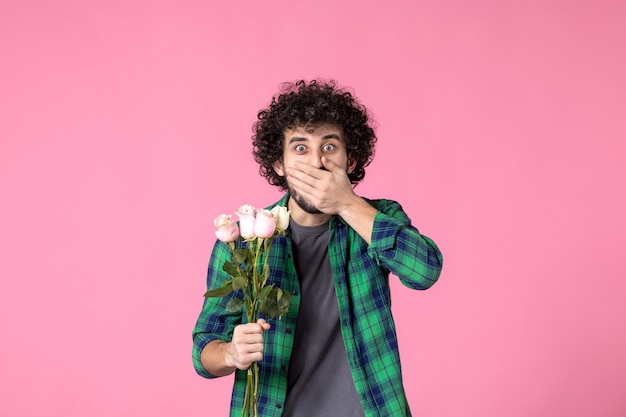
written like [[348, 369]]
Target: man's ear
[[278, 167], [351, 164]]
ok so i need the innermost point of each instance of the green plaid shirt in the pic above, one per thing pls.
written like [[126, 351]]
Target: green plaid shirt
[[361, 275]]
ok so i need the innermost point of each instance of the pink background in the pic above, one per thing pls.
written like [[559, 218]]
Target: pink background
[[124, 129]]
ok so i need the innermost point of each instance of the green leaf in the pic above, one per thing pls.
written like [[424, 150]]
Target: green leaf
[[283, 303], [223, 291], [275, 303], [234, 305], [249, 263], [269, 307], [230, 269], [264, 292], [240, 281], [239, 255]]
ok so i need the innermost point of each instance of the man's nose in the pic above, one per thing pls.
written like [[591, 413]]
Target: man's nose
[[316, 159]]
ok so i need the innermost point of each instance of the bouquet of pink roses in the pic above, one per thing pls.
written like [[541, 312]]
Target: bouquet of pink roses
[[249, 271]]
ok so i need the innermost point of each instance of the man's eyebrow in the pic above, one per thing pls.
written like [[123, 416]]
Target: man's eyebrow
[[298, 139], [331, 136], [325, 137]]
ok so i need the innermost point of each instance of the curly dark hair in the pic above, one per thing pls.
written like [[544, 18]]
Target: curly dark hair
[[309, 104]]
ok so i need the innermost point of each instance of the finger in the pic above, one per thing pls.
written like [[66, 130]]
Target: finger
[[332, 166], [241, 339], [309, 170], [329, 165], [302, 182], [264, 325], [308, 191], [249, 329]]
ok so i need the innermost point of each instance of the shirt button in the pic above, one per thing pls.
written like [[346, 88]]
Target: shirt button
[[288, 331], [279, 406], [294, 292]]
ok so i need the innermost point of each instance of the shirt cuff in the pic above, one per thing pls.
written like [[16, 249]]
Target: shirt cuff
[[199, 342], [384, 235]]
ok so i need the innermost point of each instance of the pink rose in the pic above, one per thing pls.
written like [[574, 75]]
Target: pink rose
[[226, 229], [265, 224], [222, 219], [246, 214]]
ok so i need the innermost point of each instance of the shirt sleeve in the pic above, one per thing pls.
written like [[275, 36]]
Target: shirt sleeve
[[399, 247], [214, 322]]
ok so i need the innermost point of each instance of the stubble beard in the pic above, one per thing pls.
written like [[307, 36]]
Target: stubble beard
[[304, 204]]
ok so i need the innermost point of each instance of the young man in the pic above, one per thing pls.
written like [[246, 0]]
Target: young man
[[335, 353]]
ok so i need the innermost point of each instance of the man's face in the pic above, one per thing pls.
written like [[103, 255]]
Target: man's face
[[308, 145]]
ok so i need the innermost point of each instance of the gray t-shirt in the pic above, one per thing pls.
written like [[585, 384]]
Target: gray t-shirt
[[320, 383]]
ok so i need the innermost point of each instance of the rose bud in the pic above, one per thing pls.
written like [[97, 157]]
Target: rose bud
[[265, 224], [246, 214], [227, 230]]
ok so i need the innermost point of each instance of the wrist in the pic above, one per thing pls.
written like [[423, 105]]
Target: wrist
[[227, 355], [354, 206]]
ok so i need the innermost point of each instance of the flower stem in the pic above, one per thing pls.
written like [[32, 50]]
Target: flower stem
[[259, 249], [267, 245], [245, 411], [255, 395]]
